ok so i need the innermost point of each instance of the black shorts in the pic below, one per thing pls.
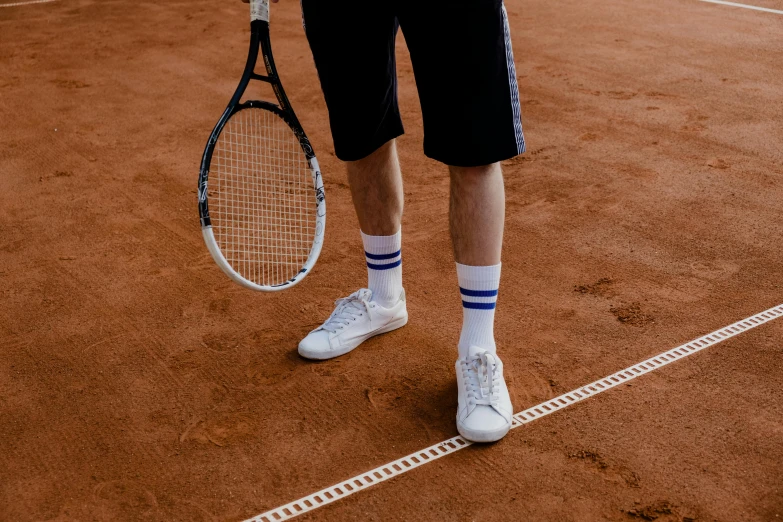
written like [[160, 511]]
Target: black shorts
[[462, 62]]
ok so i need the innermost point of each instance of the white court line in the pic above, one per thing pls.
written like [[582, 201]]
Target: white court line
[[746, 6], [27, 3], [414, 460]]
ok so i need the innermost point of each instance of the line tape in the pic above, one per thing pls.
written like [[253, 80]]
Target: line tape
[[746, 6], [16, 4], [436, 451]]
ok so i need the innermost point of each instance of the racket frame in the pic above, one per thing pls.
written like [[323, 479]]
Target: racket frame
[[260, 44]]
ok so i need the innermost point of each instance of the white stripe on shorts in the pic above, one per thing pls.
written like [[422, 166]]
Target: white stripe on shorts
[[512, 83]]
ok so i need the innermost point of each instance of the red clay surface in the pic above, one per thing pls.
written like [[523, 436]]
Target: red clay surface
[[138, 383]]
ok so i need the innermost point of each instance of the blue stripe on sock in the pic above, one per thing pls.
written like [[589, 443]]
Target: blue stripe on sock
[[478, 293], [478, 306], [385, 267], [382, 256]]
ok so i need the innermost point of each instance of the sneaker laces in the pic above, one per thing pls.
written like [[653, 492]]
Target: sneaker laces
[[482, 379], [347, 309]]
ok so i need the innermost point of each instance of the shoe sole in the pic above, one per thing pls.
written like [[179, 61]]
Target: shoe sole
[[483, 436], [331, 354]]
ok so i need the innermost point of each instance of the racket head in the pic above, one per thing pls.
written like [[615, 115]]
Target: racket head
[[261, 197]]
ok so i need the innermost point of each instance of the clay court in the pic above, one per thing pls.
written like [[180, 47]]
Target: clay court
[[137, 382]]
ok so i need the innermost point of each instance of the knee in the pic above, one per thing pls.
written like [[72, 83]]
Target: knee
[[470, 173], [382, 155]]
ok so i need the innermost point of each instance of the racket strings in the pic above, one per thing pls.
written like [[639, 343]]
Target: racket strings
[[261, 197]]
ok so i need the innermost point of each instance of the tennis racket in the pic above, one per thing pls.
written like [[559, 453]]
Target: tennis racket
[[260, 192]]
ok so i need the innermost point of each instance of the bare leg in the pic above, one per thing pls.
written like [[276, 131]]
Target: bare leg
[[376, 189], [476, 213]]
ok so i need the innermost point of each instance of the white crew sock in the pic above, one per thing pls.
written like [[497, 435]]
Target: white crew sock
[[384, 267], [478, 286]]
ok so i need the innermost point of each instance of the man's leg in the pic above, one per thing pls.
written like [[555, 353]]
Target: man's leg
[[476, 214], [376, 189], [353, 44], [471, 126]]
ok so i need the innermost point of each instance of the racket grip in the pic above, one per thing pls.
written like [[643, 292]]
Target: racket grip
[[259, 10]]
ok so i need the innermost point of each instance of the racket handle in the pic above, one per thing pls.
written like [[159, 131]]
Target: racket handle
[[259, 10]]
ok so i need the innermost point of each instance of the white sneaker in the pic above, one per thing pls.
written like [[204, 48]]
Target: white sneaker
[[483, 405], [355, 319]]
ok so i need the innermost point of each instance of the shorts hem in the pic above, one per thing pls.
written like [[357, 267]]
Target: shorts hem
[[359, 153], [474, 161]]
